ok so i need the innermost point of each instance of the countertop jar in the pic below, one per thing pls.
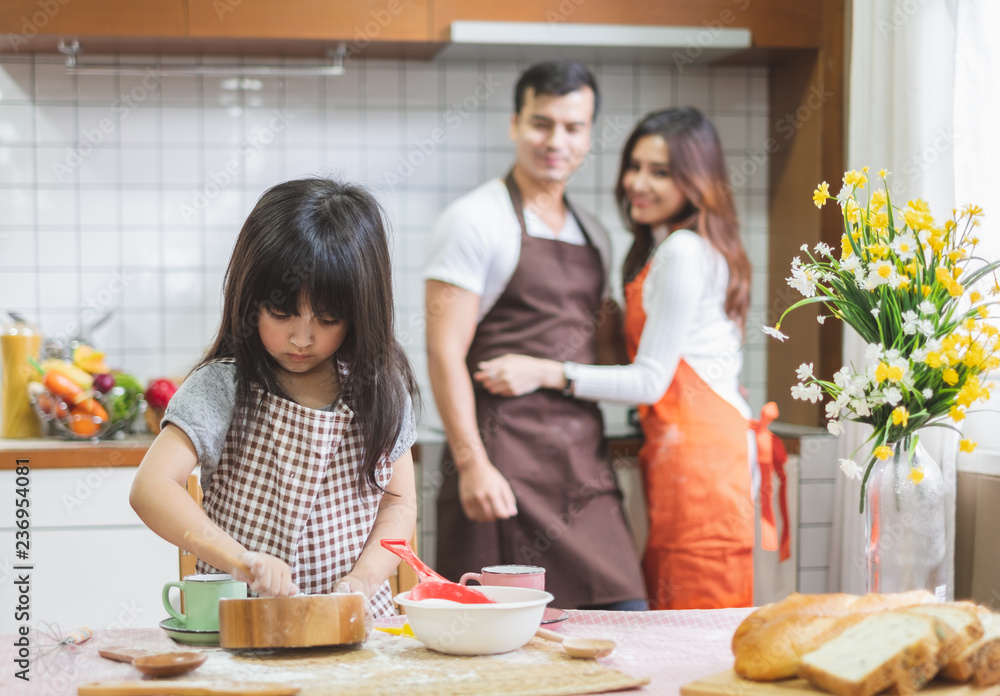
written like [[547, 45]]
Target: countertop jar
[[18, 341]]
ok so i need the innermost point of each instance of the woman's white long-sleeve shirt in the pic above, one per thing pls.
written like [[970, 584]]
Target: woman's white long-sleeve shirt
[[684, 297]]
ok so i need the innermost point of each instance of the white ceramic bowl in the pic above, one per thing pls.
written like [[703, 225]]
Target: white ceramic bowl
[[477, 629]]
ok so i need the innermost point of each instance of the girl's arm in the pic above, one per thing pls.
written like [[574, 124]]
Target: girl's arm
[[396, 519], [159, 496]]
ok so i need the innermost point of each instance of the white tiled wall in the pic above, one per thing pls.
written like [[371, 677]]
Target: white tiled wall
[[127, 192]]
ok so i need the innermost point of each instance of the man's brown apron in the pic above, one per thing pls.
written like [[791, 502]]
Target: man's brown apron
[[548, 446], [292, 492]]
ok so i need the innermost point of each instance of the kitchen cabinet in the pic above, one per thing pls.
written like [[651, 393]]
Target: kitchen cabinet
[[773, 23], [359, 21], [94, 563], [26, 19]]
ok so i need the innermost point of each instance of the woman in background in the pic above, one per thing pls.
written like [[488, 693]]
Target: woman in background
[[687, 291]]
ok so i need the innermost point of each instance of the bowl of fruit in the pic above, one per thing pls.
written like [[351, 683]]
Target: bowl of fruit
[[83, 399]]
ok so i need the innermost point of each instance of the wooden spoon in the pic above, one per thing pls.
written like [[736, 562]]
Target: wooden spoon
[[169, 664], [182, 688], [585, 648]]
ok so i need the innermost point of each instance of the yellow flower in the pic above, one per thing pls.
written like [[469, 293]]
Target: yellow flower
[[975, 296], [969, 324], [956, 272], [956, 290], [956, 414], [883, 173], [926, 290], [983, 311], [956, 254], [855, 178], [822, 194], [916, 475], [950, 376], [911, 268], [878, 200], [845, 248], [919, 204], [967, 446], [852, 211], [884, 269], [880, 220], [972, 210], [900, 416], [935, 242], [882, 452], [933, 359]]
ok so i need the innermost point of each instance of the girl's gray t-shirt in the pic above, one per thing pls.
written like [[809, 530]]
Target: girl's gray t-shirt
[[203, 408]]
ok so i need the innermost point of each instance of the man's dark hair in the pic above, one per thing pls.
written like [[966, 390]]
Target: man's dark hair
[[555, 77]]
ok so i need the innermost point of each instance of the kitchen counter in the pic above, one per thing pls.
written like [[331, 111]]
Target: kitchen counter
[[53, 453], [672, 648]]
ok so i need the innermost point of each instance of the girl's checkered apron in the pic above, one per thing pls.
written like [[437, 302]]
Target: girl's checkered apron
[[292, 492]]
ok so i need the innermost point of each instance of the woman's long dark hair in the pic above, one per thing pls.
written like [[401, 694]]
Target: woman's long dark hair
[[327, 239], [698, 168]]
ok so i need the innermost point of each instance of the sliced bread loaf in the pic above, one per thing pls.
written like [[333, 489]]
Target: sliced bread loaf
[[897, 649], [981, 659], [962, 618]]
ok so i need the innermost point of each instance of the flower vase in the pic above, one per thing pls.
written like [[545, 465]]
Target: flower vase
[[905, 531]]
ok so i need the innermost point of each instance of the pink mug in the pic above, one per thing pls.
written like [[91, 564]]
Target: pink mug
[[509, 576]]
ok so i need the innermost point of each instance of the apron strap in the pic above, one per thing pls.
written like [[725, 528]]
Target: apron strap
[[771, 456], [514, 191]]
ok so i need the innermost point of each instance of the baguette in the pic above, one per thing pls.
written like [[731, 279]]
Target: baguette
[[894, 649], [963, 620], [768, 643]]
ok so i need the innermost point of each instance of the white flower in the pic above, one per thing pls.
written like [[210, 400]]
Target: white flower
[[875, 312], [893, 396], [909, 322], [874, 352], [851, 264], [821, 318], [905, 246], [919, 354], [803, 280], [835, 427], [926, 327], [774, 332], [928, 393], [845, 193], [927, 307], [796, 262], [860, 407], [805, 248], [823, 249], [882, 273], [851, 468], [811, 393], [804, 372]]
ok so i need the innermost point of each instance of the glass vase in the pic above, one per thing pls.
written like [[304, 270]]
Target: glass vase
[[905, 531]]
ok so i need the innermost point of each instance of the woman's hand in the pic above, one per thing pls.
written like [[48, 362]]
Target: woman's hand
[[271, 576], [514, 375]]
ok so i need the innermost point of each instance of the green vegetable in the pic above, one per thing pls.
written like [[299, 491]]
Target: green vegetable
[[123, 404]]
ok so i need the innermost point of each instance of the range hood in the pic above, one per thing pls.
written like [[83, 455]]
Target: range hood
[[592, 43]]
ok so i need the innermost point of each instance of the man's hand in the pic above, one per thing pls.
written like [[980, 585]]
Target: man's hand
[[514, 375], [485, 494]]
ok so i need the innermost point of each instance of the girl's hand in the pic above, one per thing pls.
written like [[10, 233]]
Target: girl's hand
[[514, 375], [271, 576], [351, 583]]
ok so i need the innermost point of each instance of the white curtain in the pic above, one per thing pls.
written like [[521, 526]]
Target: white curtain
[[901, 118]]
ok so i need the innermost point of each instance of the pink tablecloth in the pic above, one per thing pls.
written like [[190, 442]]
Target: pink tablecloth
[[670, 647]]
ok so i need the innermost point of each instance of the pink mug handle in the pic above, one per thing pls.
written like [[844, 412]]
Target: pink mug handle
[[478, 577]]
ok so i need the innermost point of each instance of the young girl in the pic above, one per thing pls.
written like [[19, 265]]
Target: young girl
[[687, 292], [301, 414]]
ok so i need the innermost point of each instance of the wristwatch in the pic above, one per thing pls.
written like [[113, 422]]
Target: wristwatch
[[569, 373]]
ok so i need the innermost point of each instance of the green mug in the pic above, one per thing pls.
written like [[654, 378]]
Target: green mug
[[201, 595]]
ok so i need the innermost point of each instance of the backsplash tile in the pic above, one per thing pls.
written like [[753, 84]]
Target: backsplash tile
[[126, 192]]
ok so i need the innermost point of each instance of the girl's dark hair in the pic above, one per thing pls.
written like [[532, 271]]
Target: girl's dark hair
[[556, 77], [327, 239], [698, 168]]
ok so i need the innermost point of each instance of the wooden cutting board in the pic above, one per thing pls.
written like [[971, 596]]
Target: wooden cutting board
[[728, 684], [388, 664]]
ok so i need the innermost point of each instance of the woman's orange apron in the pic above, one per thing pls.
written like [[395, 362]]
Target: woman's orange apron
[[697, 482]]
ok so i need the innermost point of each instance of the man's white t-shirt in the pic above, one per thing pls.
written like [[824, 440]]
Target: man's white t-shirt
[[476, 242]]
